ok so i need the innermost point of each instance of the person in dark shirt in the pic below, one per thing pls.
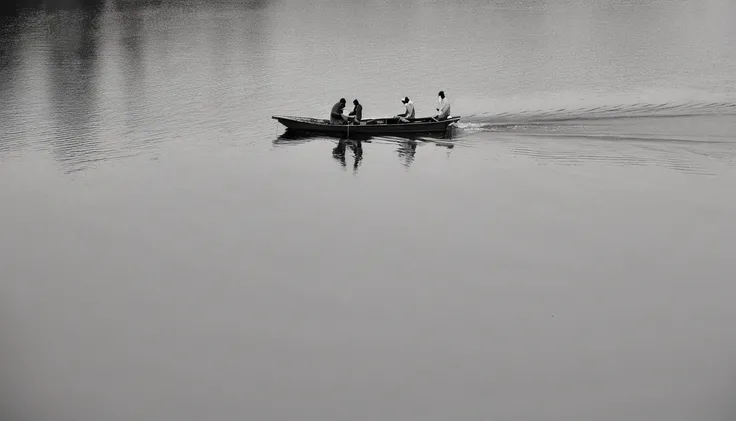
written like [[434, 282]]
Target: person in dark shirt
[[357, 113], [336, 116]]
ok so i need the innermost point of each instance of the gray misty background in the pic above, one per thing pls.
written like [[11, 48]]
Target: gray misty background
[[168, 253]]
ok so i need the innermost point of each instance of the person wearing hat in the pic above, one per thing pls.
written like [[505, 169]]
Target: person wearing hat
[[409, 113], [443, 107], [357, 112], [336, 116]]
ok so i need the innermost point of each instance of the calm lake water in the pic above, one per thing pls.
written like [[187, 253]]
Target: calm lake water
[[565, 253]]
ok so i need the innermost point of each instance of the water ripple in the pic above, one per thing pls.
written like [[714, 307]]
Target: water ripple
[[525, 117]]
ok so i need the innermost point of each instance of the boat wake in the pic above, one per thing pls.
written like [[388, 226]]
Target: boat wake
[[696, 137], [528, 119]]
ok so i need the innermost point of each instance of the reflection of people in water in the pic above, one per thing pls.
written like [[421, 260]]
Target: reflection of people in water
[[355, 145], [407, 150]]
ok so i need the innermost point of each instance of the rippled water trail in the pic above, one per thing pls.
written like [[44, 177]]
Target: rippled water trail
[[169, 252]]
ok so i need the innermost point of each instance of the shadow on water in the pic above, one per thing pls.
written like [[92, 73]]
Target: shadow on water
[[68, 40], [135, 73], [255, 4], [59, 42], [10, 28], [18, 7], [72, 76], [10, 55]]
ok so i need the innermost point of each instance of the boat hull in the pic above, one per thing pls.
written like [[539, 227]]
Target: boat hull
[[372, 126]]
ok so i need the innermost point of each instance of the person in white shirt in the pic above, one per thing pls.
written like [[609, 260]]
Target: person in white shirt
[[443, 107], [409, 113]]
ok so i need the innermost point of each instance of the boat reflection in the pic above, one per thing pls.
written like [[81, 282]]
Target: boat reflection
[[289, 137], [407, 144]]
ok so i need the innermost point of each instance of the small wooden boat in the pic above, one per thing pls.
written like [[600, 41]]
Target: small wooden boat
[[388, 125]]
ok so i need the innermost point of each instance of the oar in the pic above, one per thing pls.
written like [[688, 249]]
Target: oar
[[374, 119]]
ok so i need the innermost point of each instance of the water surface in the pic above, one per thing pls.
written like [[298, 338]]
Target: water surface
[[564, 253]]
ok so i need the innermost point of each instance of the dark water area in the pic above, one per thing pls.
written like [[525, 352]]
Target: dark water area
[[170, 252]]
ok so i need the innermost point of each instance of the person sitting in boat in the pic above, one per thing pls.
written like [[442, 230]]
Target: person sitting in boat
[[409, 113], [336, 116], [443, 107], [357, 113]]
